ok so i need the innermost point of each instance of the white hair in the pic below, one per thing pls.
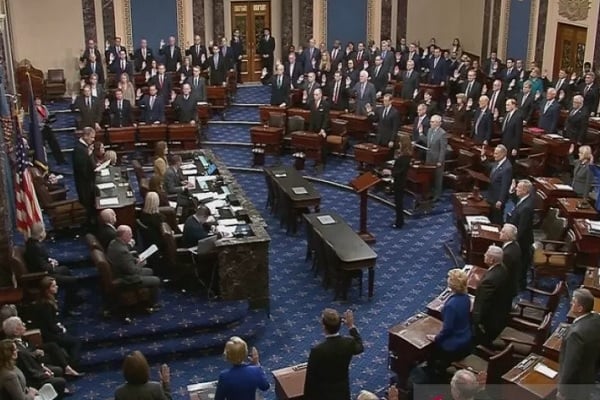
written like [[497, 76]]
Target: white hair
[[496, 253], [9, 326]]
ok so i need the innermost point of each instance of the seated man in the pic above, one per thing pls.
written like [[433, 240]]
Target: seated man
[[173, 180], [197, 227], [106, 230], [126, 269]]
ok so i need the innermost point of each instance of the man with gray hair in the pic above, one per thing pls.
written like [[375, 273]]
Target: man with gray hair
[[511, 257], [500, 180], [493, 300], [522, 217], [464, 385], [436, 141], [579, 350], [364, 91], [576, 123], [549, 112]]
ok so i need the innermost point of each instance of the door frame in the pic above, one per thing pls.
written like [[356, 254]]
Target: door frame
[[558, 46]]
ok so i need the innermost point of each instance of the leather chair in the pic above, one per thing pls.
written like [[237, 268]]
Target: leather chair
[[555, 262], [63, 213], [537, 311], [28, 282], [180, 264], [55, 84], [458, 178], [93, 242], [140, 174], [553, 228], [295, 123], [526, 337], [535, 161], [337, 141]]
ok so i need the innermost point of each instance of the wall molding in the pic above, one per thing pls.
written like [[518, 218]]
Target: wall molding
[[531, 36]]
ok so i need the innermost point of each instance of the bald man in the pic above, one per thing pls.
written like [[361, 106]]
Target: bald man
[[106, 230]]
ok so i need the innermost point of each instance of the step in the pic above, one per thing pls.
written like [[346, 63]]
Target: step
[[158, 348]]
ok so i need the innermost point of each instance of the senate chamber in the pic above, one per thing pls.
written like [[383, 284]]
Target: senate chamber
[[300, 199]]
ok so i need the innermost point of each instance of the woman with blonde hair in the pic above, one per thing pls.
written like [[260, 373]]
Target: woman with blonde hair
[[127, 87], [112, 156], [241, 381], [12, 381], [160, 158], [582, 176], [453, 342], [152, 220]]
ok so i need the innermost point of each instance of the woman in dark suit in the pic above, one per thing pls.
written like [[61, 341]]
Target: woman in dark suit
[[152, 220], [582, 176], [47, 320], [399, 172], [155, 184], [462, 116], [12, 380], [136, 372], [432, 106], [454, 340], [241, 381]]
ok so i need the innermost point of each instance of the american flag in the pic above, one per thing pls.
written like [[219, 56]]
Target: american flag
[[28, 210]]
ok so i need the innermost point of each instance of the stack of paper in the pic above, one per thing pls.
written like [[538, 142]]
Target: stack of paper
[[109, 201], [204, 196], [561, 186], [299, 190], [189, 172], [326, 219], [108, 185], [476, 219]]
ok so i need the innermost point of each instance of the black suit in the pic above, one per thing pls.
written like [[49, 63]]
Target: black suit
[[409, 84], [342, 101], [424, 125], [105, 234], [387, 126], [500, 180], [171, 60], [165, 88], [512, 261], [196, 51], [499, 103], [399, 172], [522, 217], [319, 117], [186, 109], [474, 91], [578, 358], [438, 71], [327, 369], [120, 117], [153, 114], [84, 176], [198, 88], [492, 304], [512, 130], [591, 96], [90, 111], [294, 73], [237, 46], [564, 86], [308, 60], [86, 55], [339, 58], [526, 104], [548, 120], [90, 69], [576, 125], [379, 78], [266, 48], [217, 73], [280, 90], [138, 58], [118, 68], [482, 126], [34, 372]]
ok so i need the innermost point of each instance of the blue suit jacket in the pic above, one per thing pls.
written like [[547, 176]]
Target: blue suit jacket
[[438, 74], [240, 383], [193, 230], [157, 113], [482, 131], [456, 331], [425, 123], [548, 120], [500, 179]]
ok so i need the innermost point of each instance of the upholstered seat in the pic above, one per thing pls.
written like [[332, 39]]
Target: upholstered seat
[[56, 85]]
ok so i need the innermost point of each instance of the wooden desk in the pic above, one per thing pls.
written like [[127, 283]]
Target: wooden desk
[[287, 202], [408, 344], [528, 384], [418, 182], [358, 126], [120, 192], [351, 252], [568, 207], [591, 280], [547, 189], [465, 204], [587, 243], [558, 147], [551, 347], [309, 142], [289, 382], [300, 112], [265, 111], [184, 136], [571, 317], [478, 240], [371, 154], [434, 308], [269, 136]]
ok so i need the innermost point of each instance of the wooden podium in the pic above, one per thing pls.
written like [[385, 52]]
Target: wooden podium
[[361, 185]]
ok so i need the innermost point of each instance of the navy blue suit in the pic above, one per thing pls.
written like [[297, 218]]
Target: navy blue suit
[[307, 60], [156, 113], [548, 120], [193, 230], [482, 126], [117, 68], [500, 180], [439, 73], [512, 130], [424, 124], [240, 382], [456, 331]]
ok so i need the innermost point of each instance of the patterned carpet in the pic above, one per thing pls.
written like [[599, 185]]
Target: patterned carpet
[[411, 270]]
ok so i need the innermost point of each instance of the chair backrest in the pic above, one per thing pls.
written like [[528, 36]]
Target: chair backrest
[[499, 364], [55, 75], [339, 126], [170, 245], [554, 297], [542, 333], [17, 261], [93, 242], [277, 119], [295, 123], [104, 271], [554, 227]]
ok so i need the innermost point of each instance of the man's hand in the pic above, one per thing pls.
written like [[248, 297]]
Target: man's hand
[[391, 144], [283, 105], [514, 152], [349, 319], [254, 356], [322, 133], [97, 126], [392, 393], [498, 204], [38, 353], [513, 186], [173, 96], [165, 374], [138, 93], [438, 164], [73, 97], [431, 338], [368, 108], [378, 94], [106, 103], [192, 122], [162, 43]]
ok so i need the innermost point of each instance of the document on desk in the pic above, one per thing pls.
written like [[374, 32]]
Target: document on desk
[[107, 185], [109, 201], [326, 219], [545, 370], [188, 166], [299, 190], [229, 221], [205, 178], [554, 136], [148, 252], [476, 219], [214, 204], [226, 231], [189, 172], [204, 196], [561, 186], [489, 228], [192, 181]]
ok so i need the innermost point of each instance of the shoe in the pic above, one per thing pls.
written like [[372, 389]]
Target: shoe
[[397, 226], [73, 376]]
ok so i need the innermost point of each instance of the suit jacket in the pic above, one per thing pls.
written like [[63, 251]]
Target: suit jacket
[[576, 125], [30, 365], [482, 125], [387, 127], [319, 116], [237, 47], [388, 61], [97, 69], [369, 96], [437, 142], [342, 102], [474, 91], [227, 56], [13, 385], [526, 105], [424, 124], [500, 103], [186, 109], [154, 114], [564, 85], [438, 73], [310, 90], [84, 175], [293, 73], [409, 84], [36, 256], [193, 231], [507, 77], [280, 93], [241, 382], [462, 119], [339, 58], [493, 301], [327, 369], [105, 234], [86, 55], [548, 121], [217, 74], [125, 269], [500, 180], [379, 78], [171, 60], [522, 217], [149, 390], [120, 117], [112, 49], [117, 68], [360, 58], [198, 90], [512, 261], [582, 179], [308, 61], [172, 180], [578, 357], [591, 97], [512, 130], [266, 47], [456, 334], [196, 54], [88, 115], [165, 89], [138, 58]]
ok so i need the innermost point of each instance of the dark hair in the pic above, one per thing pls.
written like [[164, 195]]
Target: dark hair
[[174, 159], [136, 369], [7, 347], [45, 294], [405, 145], [331, 321]]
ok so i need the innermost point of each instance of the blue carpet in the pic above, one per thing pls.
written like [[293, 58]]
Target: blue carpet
[[239, 113], [411, 270]]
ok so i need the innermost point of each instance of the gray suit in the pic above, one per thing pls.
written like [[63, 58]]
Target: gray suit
[[578, 357], [126, 270], [437, 143], [149, 390], [198, 90], [582, 179], [172, 181], [368, 96], [12, 385]]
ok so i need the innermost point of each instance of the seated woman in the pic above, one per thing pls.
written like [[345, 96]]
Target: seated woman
[[136, 372], [241, 381], [48, 322], [582, 176], [160, 158], [98, 153], [12, 380], [37, 259], [453, 343]]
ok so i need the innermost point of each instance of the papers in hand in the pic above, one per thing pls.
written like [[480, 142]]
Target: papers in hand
[[326, 219], [299, 190], [46, 392], [109, 201], [561, 186], [102, 166], [148, 252], [203, 390], [545, 370], [108, 185]]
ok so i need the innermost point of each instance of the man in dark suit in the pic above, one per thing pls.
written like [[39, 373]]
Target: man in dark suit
[[126, 269], [84, 174], [217, 66], [89, 108], [497, 100], [198, 84], [549, 112], [328, 362], [197, 51], [526, 102], [227, 53], [196, 227], [492, 64], [337, 54], [438, 68], [388, 122], [185, 105], [92, 66], [153, 106], [483, 119], [471, 88], [311, 57], [379, 76], [365, 93], [413, 54], [576, 123], [237, 46], [338, 94], [293, 70], [512, 128], [309, 87], [142, 56], [522, 217], [319, 114], [114, 50], [511, 257], [492, 299], [280, 88], [266, 48], [106, 231], [174, 178], [120, 111], [508, 76], [387, 57], [89, 50], [590, 92], [562, 83], [362, 55], [171, 53], [500, 180], [162, 82], [579, 350], [121, 65], [410, 81], [421, 123]]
